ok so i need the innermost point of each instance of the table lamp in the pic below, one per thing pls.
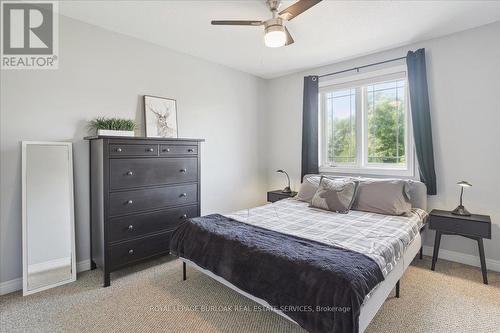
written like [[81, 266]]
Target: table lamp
[[460, 210], [286, 189]]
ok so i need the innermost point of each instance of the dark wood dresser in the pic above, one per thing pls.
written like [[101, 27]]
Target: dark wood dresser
[[140, 190]]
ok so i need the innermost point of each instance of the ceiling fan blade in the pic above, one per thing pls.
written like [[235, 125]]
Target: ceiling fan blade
[[297, 8], [237, 22], [289, 39]]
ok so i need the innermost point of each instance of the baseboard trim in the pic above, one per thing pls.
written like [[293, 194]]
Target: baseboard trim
[[10, 286], [463, 258], [83, 266], [17, 284]]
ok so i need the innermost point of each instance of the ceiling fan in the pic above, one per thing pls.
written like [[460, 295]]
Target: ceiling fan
[[275, 32]]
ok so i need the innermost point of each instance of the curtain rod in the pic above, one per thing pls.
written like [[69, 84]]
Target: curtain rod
[[360, 67]]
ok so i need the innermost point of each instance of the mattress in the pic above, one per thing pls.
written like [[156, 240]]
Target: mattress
[[383, 238]]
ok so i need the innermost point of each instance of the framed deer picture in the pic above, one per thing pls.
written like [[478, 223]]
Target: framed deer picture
[[160, 116]]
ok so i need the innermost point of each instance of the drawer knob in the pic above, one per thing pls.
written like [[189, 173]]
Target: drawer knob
[[130, 173], [129, 202], [183, 170], [166, 150], [184, 216], [190, 150], [131, 227], [183, 195], [119, 150], [150, 149], [131, 252]]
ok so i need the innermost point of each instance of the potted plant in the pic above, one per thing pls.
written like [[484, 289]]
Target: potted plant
[[113, 126]]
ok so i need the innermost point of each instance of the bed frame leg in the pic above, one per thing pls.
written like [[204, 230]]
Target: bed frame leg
[[421, 252], [183, 271], [397, 289]]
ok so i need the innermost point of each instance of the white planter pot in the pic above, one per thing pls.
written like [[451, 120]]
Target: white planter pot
[[115, 133]]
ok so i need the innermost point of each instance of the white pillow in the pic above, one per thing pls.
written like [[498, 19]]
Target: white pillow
[[308, 188]]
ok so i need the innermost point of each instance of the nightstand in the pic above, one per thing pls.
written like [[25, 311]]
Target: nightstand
[[474, 227], [273, 196]]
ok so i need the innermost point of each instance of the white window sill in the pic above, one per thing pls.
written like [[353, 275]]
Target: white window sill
[[386, 172]]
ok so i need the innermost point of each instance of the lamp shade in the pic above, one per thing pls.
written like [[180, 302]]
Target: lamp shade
[[463, 183], [275, 36]]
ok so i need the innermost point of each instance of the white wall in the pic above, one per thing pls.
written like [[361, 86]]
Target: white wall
[[102, 73], [464, 87]]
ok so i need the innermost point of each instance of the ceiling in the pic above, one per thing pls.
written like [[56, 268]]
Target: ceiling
[[329, 32]]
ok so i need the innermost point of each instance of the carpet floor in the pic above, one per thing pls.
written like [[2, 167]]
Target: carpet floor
[[152, 298]]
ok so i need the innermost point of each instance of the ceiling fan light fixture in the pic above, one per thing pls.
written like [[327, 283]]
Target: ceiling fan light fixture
[[275, 32], [275, 36]]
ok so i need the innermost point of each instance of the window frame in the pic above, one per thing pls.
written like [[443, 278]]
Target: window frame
[[362, 166]]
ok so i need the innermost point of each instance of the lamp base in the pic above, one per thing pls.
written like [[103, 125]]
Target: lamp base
[[460, 210], [286, 190]]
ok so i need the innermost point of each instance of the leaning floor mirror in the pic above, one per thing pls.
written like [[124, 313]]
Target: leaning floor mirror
[[47, 215]]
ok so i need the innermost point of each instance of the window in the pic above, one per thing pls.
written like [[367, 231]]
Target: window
[[365, 124]]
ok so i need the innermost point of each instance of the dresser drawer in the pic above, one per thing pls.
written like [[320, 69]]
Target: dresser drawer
[[455, 225], [116, 150], [153, 198], [130, 251], [178, 150], [131, 226], [137, 172]]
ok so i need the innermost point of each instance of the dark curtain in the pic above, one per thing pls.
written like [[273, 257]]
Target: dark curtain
[[310, 126], [421, 118]]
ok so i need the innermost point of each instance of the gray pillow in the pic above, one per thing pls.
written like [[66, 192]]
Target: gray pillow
[[336, 195], [383, 196], [308, 188]]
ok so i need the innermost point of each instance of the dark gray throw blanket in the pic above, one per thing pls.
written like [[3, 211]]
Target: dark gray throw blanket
[[319, 286]]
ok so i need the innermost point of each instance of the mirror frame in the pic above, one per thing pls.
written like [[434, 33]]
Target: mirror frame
[[69, 146]]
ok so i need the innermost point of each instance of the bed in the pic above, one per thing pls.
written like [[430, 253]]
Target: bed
[[266, 253]]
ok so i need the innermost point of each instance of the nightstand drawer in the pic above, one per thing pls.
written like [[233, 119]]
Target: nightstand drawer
[[273, 196], [456, 225]]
